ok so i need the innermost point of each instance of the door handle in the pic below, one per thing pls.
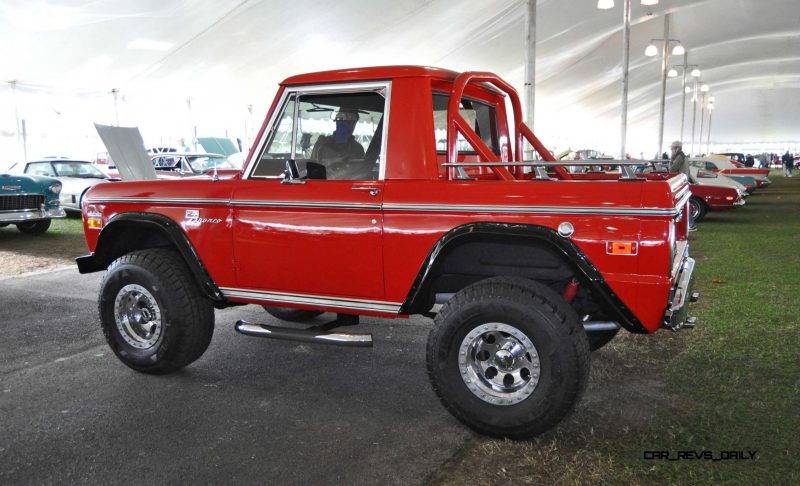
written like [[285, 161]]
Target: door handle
[[373, 191]]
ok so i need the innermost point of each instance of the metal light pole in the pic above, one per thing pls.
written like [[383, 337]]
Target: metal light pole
[[683, 89], [702, 120], [530, 73], [708, 140], [664, 55], [626, 48], [115, 93], [694, 113], [530, 62]]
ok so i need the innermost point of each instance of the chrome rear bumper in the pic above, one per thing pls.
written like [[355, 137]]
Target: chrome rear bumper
[[677, 316]]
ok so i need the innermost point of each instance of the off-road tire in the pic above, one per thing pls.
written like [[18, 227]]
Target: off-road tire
[[34, 227], [187, 317], [598, 339], [548, 322], [291, 314], [698, 208]]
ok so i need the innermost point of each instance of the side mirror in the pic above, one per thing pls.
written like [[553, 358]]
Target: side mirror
[[292, 174]]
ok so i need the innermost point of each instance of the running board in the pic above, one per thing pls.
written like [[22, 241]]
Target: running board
[[319, 335]]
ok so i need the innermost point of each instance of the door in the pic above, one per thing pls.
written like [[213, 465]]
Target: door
[[317, 231]]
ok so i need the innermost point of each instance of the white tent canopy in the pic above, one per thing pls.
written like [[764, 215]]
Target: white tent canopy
[[181, 64]]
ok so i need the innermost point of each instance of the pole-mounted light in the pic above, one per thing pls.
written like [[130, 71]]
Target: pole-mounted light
[[605, 4], [649, 2], [672, 73], [695, 73], [704, 88], [678, 50], [651, 50]]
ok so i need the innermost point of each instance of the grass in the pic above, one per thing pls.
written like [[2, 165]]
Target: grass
[[731, 384]]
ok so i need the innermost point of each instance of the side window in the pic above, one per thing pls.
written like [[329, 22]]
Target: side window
[[711, 166], [335, 136], [279, 149], [339, 136], [481, 116], [40, 168]]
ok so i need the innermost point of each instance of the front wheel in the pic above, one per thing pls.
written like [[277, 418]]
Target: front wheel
[[508, 357], [34, 227], [152, 313]]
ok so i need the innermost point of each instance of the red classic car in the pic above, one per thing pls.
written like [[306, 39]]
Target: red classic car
[[387, 192]]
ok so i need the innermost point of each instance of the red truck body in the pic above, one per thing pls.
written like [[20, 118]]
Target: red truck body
[[432, 220]]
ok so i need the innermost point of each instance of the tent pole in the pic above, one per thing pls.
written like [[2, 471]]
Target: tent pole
[[683, 95], [530, 68], [694, 115], [708, 140], [702, 119], [664, 55], [626, 47]]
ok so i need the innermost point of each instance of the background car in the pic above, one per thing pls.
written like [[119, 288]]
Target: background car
[[76, 176], [698, 170], [724, 165], [180, 164], [29, 202]]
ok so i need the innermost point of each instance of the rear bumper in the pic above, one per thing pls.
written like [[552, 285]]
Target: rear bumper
[[23, 215], [677, 316]]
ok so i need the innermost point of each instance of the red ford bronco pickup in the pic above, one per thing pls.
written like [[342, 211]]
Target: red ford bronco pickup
[[394, 191]]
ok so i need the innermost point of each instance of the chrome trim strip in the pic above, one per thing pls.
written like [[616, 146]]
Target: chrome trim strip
[[532, 209], [410, 207], [338, 302], [306, 205], [158, 200]]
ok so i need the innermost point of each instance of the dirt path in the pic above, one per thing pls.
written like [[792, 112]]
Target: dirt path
[[22, 253]]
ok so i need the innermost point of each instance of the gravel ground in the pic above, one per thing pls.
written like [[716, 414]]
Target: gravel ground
[[22, 253]]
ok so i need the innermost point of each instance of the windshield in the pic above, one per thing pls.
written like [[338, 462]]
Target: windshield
[[206, 163], [81, 170]]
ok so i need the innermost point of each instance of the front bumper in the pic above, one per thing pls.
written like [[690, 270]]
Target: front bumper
[[677, 316], [23, 215]]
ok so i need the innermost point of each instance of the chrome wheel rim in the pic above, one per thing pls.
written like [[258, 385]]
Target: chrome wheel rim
[[694, 208], [137, 316], [499, 364]]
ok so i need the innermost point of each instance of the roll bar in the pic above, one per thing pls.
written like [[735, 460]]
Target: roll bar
[[456, 123]]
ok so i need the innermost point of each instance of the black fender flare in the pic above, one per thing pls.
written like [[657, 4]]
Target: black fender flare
[[547, 237], [104, 255]]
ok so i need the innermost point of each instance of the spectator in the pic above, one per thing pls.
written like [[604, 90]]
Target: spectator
[[681, 164], [788, 164], [749, 161]]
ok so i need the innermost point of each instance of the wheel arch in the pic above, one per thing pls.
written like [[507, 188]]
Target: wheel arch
[[542, 250], [129, 232]]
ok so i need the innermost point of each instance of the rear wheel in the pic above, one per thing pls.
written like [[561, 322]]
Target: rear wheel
[[508, 357], [34, 227], [290, 314], [697, 208], [152, 313]]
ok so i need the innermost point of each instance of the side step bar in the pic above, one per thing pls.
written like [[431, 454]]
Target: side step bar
[[317, 334]]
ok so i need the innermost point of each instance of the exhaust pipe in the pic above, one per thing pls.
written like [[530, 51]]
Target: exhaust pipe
[[594, 326]]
